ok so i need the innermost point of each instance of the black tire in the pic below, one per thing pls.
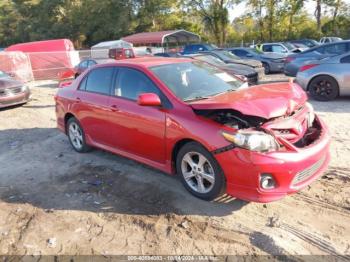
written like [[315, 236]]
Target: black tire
[[218, 187], [267, 69], [324, 88], [84, 147]]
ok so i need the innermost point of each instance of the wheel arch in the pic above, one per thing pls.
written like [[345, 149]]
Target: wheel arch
[[67, 116], [176, 148]]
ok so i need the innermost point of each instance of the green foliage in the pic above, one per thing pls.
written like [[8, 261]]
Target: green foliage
[[87, 22]]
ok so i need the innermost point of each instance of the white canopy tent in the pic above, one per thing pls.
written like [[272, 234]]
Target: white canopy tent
[[101, 50]]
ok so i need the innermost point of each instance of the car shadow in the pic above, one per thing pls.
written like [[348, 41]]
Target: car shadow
[[338, 105], [97, 181]]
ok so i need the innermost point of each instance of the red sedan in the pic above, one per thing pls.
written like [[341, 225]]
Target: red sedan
[[189, 118]]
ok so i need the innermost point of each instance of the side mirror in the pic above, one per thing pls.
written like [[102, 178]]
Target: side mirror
[[149, 99]]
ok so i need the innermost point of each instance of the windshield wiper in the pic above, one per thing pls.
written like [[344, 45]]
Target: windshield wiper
[[196, 98]]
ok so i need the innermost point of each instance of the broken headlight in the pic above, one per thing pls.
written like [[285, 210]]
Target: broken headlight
[[253, 140]]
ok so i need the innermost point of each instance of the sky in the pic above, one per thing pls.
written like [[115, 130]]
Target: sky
[[241, 9]]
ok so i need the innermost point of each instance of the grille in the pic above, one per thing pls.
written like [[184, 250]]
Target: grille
[[308, 172], [10, 91]]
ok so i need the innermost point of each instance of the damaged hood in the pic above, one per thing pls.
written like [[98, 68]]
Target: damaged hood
[[266, 101]]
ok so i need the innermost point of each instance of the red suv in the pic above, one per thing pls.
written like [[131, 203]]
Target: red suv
[[189, 118]]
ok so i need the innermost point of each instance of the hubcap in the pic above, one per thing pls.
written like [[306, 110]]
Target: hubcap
[[198, 172], [76, 135], [323, 88]]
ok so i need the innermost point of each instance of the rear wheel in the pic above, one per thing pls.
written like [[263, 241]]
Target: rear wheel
[[76, 136], [324, 88], [266, 68], [199, 172]]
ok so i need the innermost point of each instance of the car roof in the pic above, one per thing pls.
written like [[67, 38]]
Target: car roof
[[150, 61]]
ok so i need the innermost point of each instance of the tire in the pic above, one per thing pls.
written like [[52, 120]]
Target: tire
[[267, 69], [76, 136], [323, 88], [207, 187]]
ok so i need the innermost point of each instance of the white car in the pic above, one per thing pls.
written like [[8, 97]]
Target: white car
[[331, 39], [280, 48]]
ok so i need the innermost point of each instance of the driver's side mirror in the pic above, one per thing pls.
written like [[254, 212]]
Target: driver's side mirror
[[149, 99]]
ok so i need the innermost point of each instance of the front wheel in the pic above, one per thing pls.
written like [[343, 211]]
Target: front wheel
[[324, 88], [199, 172], [76, 136]]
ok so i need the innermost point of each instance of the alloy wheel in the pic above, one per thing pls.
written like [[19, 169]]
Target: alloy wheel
[[197, 172], [76, 135]]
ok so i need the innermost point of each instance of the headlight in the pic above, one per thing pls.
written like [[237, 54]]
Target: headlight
[[252, 140], [24, 88], [243, 78], [311, 115]]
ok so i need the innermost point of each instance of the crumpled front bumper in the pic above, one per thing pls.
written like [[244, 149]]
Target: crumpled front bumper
[[243, 169]]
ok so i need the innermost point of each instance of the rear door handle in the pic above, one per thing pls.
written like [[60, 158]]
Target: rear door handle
[[114, 108]]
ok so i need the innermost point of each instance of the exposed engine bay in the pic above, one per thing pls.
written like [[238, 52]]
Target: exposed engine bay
[[232, 118]]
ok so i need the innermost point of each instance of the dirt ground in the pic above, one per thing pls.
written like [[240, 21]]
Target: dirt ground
[[56, 201]]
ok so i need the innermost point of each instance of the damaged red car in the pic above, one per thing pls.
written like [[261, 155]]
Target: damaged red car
[[190, 118]]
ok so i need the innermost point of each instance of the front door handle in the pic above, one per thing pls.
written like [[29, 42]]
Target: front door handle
[[77, 99]]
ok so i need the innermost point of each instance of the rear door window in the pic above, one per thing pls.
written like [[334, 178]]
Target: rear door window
[[336, 49], [99, 80], [267, 48]]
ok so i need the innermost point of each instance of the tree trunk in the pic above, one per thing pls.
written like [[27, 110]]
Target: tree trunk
[[318, 14]]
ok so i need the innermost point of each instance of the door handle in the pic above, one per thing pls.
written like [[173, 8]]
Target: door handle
[[114, 108], [77, 99]]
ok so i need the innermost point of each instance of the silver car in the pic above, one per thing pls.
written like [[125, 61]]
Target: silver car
[[327, 78]]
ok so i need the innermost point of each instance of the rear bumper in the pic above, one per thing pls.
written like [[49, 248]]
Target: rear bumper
[[15, 99], [243, 169], [290, 70]]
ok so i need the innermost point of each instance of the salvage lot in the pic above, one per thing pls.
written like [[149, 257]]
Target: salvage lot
[[56, 201]]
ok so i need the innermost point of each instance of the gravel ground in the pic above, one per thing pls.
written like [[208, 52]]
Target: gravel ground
[[56, 201]]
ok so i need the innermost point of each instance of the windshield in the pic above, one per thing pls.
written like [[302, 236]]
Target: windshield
[[227, 54], [210, 59], [3, 74], [195, 80], [289, 46]]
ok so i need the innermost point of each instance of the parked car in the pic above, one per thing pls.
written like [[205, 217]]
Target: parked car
[[325, 40], [230, 58], [307, 42], [326, 79], [87, 63], [12, 92], [195, 48], [295, 61], [168, 54], [246, 73], [271, 62], [279, 48], [190, 118]]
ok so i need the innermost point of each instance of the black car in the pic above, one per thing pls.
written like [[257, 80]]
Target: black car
[[272, 62]]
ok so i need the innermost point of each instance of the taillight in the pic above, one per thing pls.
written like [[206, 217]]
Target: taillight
[[307, 67], [289, 59]]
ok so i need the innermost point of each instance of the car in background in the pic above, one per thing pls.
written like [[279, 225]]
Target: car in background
[[279, 48], [229, 58], [270, 61], [326, 79], [306, 42], [245, 73], [168, 54], [325, 40], [87, 63], [12, 92], [195, 48], [296, 61], [189, 118]]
